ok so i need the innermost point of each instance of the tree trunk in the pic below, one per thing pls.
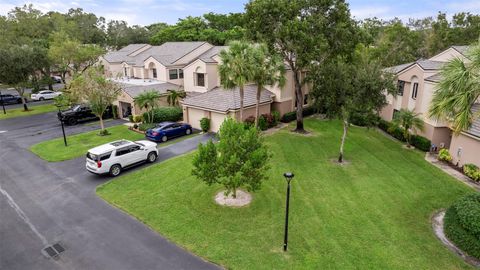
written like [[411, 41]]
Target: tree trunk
[[299, 99], [102, 127], [234, 193], [20, 92], [407, 136], [241, 103], [25, 108], [257, 105], [345, 130]]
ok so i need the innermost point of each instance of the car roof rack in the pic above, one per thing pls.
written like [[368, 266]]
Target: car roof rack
[[119, 143]]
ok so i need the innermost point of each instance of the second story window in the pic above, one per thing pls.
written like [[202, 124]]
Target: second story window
[[174, 74], [154, 73], [401, 87], [200, 79], [415, 90]]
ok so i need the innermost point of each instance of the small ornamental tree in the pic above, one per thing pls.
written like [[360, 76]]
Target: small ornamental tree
[[239, 159], [97, 91]]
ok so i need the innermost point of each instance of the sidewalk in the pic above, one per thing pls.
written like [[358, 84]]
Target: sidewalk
[[449, 170]]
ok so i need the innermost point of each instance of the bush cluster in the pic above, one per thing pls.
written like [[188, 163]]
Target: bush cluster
[[364, 119], [249, 121], [163, 114], [419, 142], [444, 155], [291, 116], [137, 118], [472, 171], [145, 126], [462, 224], [205, 124]]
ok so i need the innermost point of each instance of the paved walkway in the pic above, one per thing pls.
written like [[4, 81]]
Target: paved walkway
[[451, 171]]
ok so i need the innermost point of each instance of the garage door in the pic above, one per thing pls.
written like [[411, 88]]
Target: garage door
[[216, 121], [194, 116]]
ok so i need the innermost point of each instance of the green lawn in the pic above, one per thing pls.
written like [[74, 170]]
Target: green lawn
[[371, 214], [78, 145], [32, 110]]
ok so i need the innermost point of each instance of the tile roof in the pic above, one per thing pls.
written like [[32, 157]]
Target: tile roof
[[224, 100], [167, 53], [475, 128], [135, 90], [207, 56], [461, 49], [434, 78], [398, 68], [429, 64]]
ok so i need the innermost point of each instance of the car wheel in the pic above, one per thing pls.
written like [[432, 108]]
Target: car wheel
[[115, 170], [41, 99], [71, 121], [19, 101], [152, 156], [188, 132], [164, 138]]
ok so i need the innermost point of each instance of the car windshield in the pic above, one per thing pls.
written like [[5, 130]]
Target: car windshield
[[162, 126], [76, 107]]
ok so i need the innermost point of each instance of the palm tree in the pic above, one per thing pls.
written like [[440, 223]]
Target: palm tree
[[408, 120], [147, 100], [174, 96], [235, 69], [457, 91], [268, 69]]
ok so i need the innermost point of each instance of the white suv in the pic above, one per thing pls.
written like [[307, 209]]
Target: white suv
[[112, 157], [45, 94]]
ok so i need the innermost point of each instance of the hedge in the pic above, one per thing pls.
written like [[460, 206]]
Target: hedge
[[472, 171], [462, 224], [163, 114], [291, 116], [419, 142]]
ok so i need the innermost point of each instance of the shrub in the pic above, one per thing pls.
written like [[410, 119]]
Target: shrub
[[462, 224], [137, 118], [444, 155], [262, 123], [114, 111], [249, 121], [205, 124], [364, 119], [145, 126], [270, 120], [104, 132], [130, 118], [163, 114], [421, 143], [384, 125], [276, 117], [135, 126], [396, 132], [472, 171], [290, 116]]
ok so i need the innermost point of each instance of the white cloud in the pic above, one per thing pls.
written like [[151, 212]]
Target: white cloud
[[5, 8], [370, 12]]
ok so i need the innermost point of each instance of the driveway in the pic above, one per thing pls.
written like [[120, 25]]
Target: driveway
[[45, 203]]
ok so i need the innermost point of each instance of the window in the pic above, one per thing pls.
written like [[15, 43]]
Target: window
[[173, 74], [415, 90], [134, 148], [125, 71], [400, 86], [395, 113], [154, 72], [305, 99], [122, 151], [180, 73], [200, 79]]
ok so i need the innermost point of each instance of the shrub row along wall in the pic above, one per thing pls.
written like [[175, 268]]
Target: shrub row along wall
[[462, 224], [163, 114], [419, 142]]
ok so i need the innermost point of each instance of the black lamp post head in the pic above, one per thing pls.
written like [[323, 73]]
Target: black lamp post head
[[288, 176]]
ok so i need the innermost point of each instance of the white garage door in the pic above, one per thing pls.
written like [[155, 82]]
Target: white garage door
[[216, 121], [194, 116]]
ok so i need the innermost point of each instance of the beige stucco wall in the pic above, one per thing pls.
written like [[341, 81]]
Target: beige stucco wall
[[198, 66], [283, 107], [250, 111], [470, 149], [161, 69], [448, 55], [192, 116], [437, 135]]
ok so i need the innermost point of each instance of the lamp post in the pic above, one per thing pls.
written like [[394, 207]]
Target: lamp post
[[63, 128], [3, 104], [288, 176]]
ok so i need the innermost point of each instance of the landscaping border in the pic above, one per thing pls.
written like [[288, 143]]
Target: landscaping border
[[437, 225]]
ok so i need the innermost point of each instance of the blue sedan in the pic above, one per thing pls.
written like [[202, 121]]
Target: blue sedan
[[166, 130]]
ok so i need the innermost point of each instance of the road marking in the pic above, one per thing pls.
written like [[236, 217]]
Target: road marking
[[2, 131], [22, 215]]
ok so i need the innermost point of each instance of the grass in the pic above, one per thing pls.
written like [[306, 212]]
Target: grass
[[373, 213], [78, 145], [32, 110]]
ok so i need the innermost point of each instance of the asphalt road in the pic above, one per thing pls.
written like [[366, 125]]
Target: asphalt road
[[44, 203]]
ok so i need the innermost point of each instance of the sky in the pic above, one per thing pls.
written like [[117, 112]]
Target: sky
[[145, 12]]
